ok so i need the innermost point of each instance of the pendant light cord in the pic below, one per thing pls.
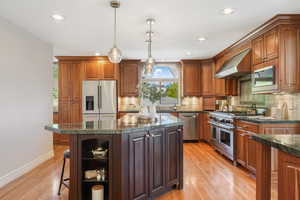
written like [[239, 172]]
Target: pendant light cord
[[115, 29], [150, 41]]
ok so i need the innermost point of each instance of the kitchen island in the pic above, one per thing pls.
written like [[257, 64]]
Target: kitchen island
[[143, 160], [288, 166]]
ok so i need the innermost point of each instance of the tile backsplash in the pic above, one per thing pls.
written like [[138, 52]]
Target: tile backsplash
[[274, 103]]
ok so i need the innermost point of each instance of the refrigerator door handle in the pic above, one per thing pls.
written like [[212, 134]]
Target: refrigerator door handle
[[98, 87], [100, 97]]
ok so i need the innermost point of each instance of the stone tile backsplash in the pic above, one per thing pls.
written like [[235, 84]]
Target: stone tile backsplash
[[275, 102]]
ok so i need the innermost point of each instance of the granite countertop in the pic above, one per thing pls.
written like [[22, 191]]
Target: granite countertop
[[269, 121], [287, 143], [131, 109], [124, 125]]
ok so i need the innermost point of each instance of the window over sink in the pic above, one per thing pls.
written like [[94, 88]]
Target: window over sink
[[166, 79]]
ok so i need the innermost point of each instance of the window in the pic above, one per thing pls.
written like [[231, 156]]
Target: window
[[165, 82], [55, 87]]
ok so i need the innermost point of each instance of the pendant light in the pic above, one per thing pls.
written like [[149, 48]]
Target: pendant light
[[150, 62], [115, 54]]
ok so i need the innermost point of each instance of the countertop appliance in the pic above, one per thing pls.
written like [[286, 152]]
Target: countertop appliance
[[190, 130], [99, 100], [264, 79], [222, 132]]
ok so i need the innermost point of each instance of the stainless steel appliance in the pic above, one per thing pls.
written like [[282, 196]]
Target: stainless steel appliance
[[190, 130], [264, 79], [222, 133], [99, 100]]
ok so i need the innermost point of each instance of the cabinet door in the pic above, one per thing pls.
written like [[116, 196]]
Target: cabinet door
[[157, 162], [65, 91], [290, 59], [271, 45], [138, 166], [231, 87], [251, 154], [288, 177], [93, 70], [129, 78], [109, 70], [208, 86], [172, 158], [258, 50], [219, 84], [191, 79], [240, 147]]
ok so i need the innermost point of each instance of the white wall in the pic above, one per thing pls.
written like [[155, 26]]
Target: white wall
[[25, 101]]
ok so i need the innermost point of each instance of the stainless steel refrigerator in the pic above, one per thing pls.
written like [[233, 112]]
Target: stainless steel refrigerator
[[99, 100]]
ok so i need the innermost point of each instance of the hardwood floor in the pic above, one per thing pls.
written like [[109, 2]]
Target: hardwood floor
[[207, 176]]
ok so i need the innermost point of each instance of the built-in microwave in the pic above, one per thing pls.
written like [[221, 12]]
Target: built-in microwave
[[264, 79]]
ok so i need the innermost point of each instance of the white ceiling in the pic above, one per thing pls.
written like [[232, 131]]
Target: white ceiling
[[88, 24]]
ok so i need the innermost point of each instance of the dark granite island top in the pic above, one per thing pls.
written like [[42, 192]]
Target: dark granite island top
[[118, 126], [286, 143]]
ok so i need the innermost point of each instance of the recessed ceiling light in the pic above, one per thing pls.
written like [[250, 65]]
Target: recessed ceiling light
[[228, 11], [188, 53], [57, 17], [97, 54], [201, 39]]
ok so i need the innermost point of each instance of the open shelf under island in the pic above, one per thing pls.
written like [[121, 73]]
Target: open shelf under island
[[142, 160]]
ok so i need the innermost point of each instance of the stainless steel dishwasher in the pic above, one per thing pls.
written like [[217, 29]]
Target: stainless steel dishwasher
[[190, 128]]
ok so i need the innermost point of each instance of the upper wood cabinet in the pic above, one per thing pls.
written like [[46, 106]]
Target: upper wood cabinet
[[207, 74], [191, 77], [129, 78], [258, 51], [289, 61], [265, 47], [100, 70]]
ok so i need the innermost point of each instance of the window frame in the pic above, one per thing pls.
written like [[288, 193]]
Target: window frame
[[162, 80]]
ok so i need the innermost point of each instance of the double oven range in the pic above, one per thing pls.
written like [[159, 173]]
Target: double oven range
[[222, 132]]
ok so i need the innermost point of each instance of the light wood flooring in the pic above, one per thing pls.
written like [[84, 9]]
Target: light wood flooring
[[207, 176]]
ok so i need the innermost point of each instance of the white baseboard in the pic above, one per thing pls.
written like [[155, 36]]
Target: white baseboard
[[14, 174]]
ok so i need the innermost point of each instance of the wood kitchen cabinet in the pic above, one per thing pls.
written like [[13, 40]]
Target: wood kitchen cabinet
[[139, 160], [100, 70], [288, 176], [129, 78], [154, 164], [265, 47], [191, 77], [204, 127], [289, 62], [69, 99], [245, 146], [207, 74]]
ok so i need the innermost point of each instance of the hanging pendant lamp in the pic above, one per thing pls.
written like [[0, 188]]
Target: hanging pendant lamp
[[150, 62], [115, 54]]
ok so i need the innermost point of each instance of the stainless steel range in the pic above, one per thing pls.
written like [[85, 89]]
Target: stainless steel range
[[222, 132]]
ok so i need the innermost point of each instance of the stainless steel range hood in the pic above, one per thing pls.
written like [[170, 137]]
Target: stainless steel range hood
[[239, 65]]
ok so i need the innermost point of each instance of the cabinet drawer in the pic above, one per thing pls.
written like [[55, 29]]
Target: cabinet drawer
[[247, 126]]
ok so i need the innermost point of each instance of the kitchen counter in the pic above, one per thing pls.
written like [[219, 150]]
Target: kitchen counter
[[180, 109], [119, 126], [269, 121], [286, 143]]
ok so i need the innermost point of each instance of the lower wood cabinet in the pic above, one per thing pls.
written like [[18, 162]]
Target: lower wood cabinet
[[205, 129], [288, 176], [245, 146], [154, 164], [138, 165]]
